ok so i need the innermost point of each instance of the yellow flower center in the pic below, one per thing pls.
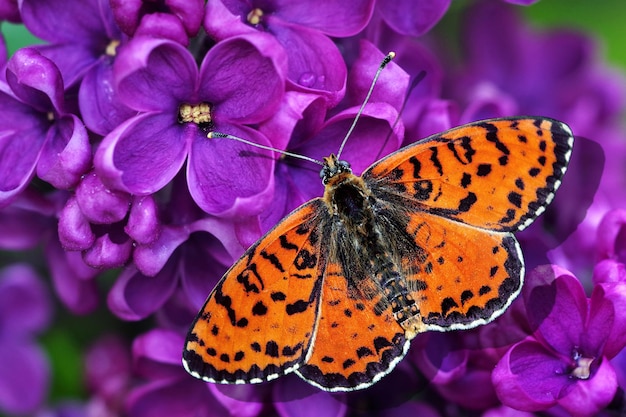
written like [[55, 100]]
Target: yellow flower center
[[198, 114], [254, 17], [111, 49]]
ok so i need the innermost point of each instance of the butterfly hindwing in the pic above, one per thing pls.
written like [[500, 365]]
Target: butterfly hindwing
[[259, 321], [497, 174], [355, 345]]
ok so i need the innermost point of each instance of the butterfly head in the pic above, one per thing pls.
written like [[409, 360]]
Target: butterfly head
[[332, 168]]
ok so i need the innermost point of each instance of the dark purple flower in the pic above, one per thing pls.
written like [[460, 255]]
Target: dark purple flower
[[26, 221], [25, 310], [83, 42], [160, 19], [9, 11], [566, 359], [410, 17], [37, 133], [170, 392], [303, 29], [160, 80]]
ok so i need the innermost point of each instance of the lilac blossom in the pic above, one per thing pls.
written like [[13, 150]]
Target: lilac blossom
[[25, 311], [144, 153], [565, 360], [38, 134], [303, 29], [107, 172]]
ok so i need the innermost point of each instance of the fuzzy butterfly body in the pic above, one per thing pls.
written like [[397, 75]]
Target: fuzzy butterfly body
[[422, 240]]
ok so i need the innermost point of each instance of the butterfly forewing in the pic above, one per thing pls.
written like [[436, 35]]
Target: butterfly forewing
[[259, 322], [497, 174]]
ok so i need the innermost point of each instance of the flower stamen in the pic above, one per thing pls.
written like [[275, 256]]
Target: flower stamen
[[199, 114], [111, 49], [254, 17], [582, 367]]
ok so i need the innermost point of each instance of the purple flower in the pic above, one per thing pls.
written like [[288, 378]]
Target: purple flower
[[160, 80], [84, 50], [176, 20], [37, 133], [302, 28], [170, 392], [410, 17], [566, 359], [28, 219], [25, 310]]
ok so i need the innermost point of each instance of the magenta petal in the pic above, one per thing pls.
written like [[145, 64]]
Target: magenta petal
[[74, 228], [143, 154], [80, 19], [413, 18], [162, 26], [334, 18], [174, 397], [24, 304], [249, 96], [100, 106], [241, 400], [293, 397], [150, 259], [231, 178], [135, 296], [19, 151], [35, 80], [26, 221], [155, 74], [143, 222], [392, 83], [589, 397], [108, 252], [315, 63], [529, 378], [98, 203], [220, 23], [66, 154], [24, 376], [565, 303], [156, 354], [72, 278]]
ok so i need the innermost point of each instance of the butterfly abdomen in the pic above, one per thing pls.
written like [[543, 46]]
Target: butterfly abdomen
[[354, 209]]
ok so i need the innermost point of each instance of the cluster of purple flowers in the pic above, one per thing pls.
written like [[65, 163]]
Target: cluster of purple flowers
[[105, 166]]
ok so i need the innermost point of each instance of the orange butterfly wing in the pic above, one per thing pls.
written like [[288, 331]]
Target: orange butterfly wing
[[355, 345], [496, 174], [451, 202], [259, 321]]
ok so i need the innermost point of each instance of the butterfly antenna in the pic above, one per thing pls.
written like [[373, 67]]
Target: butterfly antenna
[[383, 64], [414, 82], [214, 135]]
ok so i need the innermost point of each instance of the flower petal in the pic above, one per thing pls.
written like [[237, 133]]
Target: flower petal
[[25, 306], [315, 63], [100, 107], [143, 154], [155, 74], [24, 376], [66, 154], [530, 378], [413, 18], [143, 223], [151, 258], [589, 397], [36, 80], [334, 18], [74, 229], [135, 296], [244, 78], [230, 178], [20, 151], [72, 279]]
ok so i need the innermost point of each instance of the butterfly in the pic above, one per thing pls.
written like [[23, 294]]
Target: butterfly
[[422, 240]]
